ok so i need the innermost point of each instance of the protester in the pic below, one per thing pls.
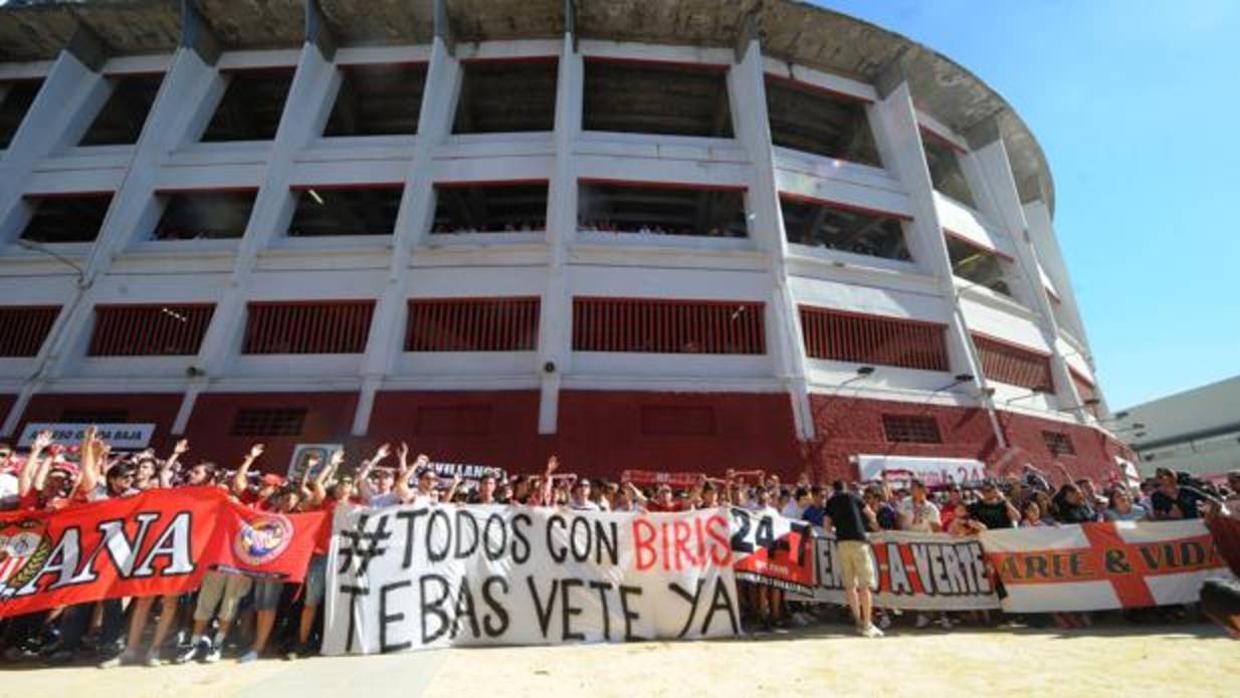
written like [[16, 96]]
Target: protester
[[848, 515]]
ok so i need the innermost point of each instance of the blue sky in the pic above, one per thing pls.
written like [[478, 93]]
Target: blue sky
[[1137, 106]]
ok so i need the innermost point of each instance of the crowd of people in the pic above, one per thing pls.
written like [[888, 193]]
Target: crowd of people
[[254, 617]]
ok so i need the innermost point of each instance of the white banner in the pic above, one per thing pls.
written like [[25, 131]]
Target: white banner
[[122, 437], [1099, 566], [933, 471], [420, 577], [915, 571]]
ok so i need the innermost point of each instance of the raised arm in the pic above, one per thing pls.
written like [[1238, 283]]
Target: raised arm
[[403, 491], [363, 474], [548, 488], [28, 476], [241, 478], [169, 467], [92, 452], [456, 483], [318, 486]]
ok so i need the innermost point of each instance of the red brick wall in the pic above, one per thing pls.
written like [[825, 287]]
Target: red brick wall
[[329, 419], [498, 428], [159, 409], [848, 426]]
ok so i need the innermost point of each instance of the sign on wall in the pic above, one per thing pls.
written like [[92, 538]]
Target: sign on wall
[[122, 437], [933, 471], [302, 453]]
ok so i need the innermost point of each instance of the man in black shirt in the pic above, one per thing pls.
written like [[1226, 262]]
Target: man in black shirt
[[1170, 501], [994, 510], [850, 517]]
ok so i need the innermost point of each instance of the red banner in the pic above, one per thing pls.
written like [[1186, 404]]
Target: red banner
[[158, 542], [772, 550]]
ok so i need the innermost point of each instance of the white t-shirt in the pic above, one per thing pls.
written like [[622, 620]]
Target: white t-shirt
[[792, 511], [918, 517]]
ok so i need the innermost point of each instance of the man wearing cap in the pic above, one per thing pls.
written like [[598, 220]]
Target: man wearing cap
[[849, 516], [378, 490]]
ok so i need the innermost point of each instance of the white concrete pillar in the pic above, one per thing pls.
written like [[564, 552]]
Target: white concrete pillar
[[556, 307], [417, 206], [747, 85], [900, 140], [993, 161]]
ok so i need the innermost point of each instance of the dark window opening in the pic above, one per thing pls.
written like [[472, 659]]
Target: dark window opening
[[945, 171], [72, 218], [269, 421], [101, 415], [868, 339], [978, 265], [205, 215], [251, 106], [661, 210], [24, 329], [819, 224], [149, 330], [643, 97], [506, 96], [911, 429], [345, 211], [1058, 444], [472, 324], [490, 208], [812, 120], [120, 120], [339, 327], [377, 100], [664, 326], [1005, 363], [453, 420], [15, 100], [665, 420]]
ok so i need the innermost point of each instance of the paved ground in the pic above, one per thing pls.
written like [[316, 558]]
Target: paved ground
[[1189, 660]]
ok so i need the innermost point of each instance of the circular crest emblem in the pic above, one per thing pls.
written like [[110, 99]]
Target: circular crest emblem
[[263, 539], [24, 548]]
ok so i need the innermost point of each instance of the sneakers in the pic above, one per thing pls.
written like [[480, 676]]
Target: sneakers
[[871, 631], [213, 655], [923, 621], [152, 659], [126, 657], [189, 654], [250, 656]]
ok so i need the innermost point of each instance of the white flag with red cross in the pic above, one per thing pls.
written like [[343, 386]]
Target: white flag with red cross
[[1099, 566]]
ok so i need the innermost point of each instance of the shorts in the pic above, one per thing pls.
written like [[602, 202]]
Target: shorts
[[267, 595], [316, 580], [856, 565], [223, 590]]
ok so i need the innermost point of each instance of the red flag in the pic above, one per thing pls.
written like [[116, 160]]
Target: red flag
[[157, 542]]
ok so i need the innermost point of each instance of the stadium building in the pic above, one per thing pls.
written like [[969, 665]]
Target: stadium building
[[676, 235]]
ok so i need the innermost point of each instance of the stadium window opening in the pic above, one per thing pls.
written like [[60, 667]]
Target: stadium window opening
[[377, 100], [120, 120], [347, 211], [659, 98], [204, 215], [823, 225], [945, 171], [66, 218], [505, 96], [251, 106], [813, 120], [978, 265], [513, 207], [660, 209], [16, 96]]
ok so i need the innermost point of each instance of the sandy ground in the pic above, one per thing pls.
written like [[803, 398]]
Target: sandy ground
[[1190, 660]]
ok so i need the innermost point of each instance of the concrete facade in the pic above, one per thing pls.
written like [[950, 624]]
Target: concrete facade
[[365, 398], [1196, 431]]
